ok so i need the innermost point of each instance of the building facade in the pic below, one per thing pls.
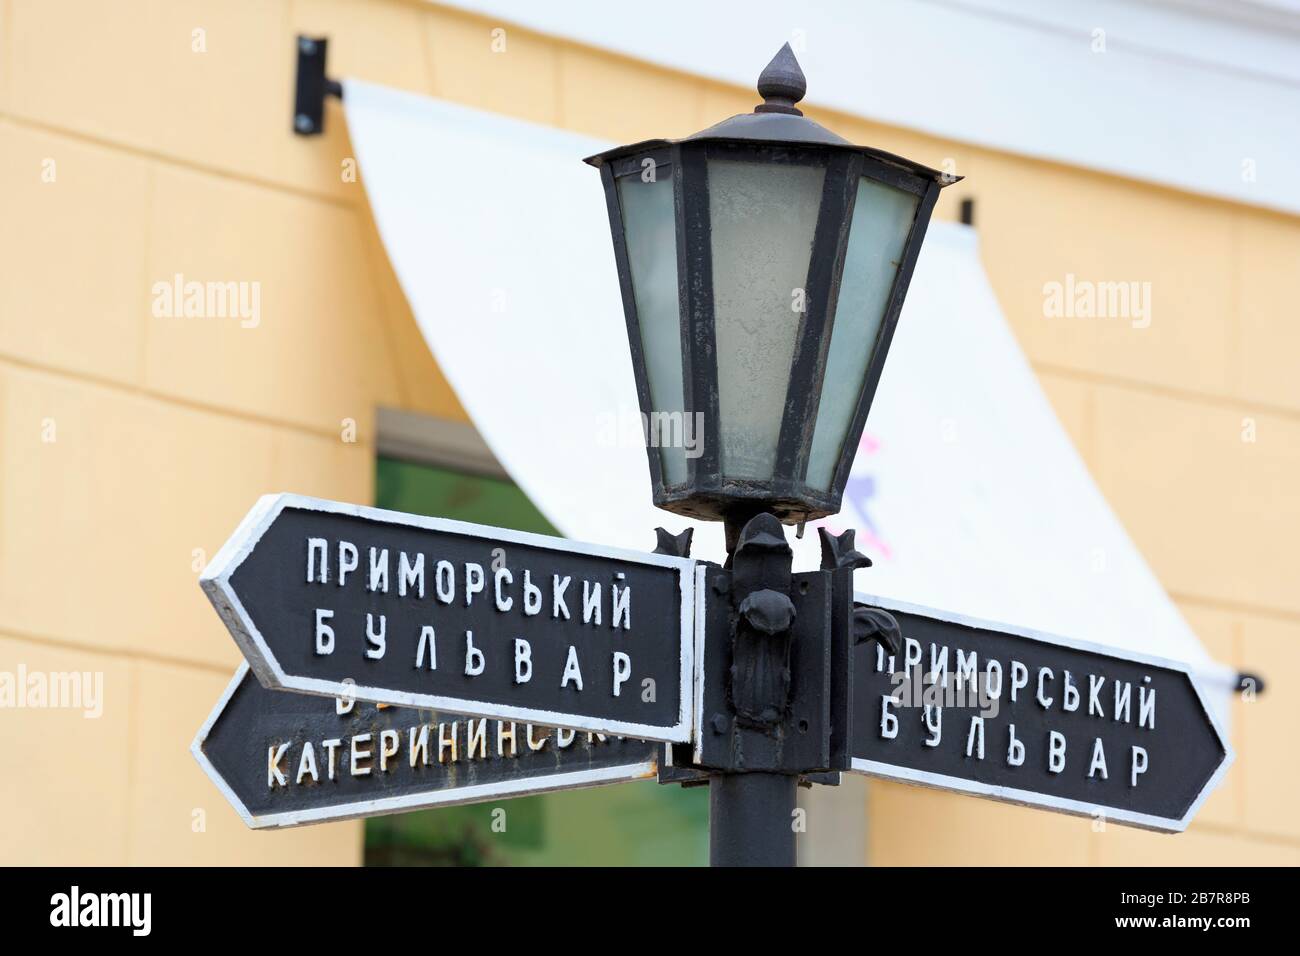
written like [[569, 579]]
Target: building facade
[[147, 143]]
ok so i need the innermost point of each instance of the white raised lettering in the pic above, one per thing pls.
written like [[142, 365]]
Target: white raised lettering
[[473, 657], [933, 717], [331, 748], [991, 690], [622, 670], [349, 558], [888, 720], [938, 663], [410, 576], [590, 603], [473, 581], [449, 743], [503, 736], [378, 571], [359, 755], [975, 737], [1098, 760], [1055, 751], [1070, 696], [1015, 749], [967, 667], [476, 738], [1094, 696], [1044, 674], [622, 610], [419, 746], [376, 639], [1147, 705], [911, 655], [1138, 765], [318, 557], [1123, 702], [426, 640], [444, 581], [324, 633], [503, 575], [1019, 678], [558, 586], [389, 742], [532, 595], [274, 775], [523, 661], [571, 670]]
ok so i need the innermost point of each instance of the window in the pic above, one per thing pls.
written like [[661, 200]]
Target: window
[[642, 824]]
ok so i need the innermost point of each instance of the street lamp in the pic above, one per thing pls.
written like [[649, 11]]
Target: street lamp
[[762, 263]]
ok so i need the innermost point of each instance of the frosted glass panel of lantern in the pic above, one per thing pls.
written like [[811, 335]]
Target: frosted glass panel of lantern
[[650, 233], [882, 220], [762, 217]]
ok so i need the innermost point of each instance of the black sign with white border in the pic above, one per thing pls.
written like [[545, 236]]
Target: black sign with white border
[[283, 759], [337, 599], [1094, 731]]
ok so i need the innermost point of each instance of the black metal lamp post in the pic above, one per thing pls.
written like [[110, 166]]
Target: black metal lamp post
[[763, 263]]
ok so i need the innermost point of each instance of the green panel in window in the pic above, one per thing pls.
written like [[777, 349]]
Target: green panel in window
[[637, 824], [422, 489]]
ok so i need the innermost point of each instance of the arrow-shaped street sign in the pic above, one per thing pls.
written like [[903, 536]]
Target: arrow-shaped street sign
[[1020, 716], [288, 759], [343, 600], [522, 630]]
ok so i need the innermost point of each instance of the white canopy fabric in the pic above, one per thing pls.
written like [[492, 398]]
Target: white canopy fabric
[[966, 492]]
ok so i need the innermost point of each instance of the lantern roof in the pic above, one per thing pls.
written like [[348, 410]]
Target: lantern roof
[[777, 121]]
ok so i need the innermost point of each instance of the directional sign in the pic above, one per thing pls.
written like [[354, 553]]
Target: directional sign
[[337, 599], [1023, 717], [288, 759]]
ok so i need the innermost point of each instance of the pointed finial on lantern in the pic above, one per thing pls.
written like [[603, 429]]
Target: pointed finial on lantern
[[781, 84]]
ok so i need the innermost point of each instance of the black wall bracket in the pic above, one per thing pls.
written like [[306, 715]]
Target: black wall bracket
[[312, 87]]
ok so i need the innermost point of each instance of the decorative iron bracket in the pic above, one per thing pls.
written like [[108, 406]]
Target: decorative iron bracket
[[765, 670]]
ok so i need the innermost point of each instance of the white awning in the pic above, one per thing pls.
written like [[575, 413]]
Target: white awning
[[966, 492]]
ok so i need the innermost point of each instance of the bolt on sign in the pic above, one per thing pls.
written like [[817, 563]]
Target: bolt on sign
[[289, 759], [336, 599], [1019, 716]]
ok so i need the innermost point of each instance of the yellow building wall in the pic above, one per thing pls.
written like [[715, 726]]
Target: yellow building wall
[[131, 445]]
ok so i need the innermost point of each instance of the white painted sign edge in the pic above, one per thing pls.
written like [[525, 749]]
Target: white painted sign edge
[[358, 809], [697, 703], [215, 581], [875, 768]]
